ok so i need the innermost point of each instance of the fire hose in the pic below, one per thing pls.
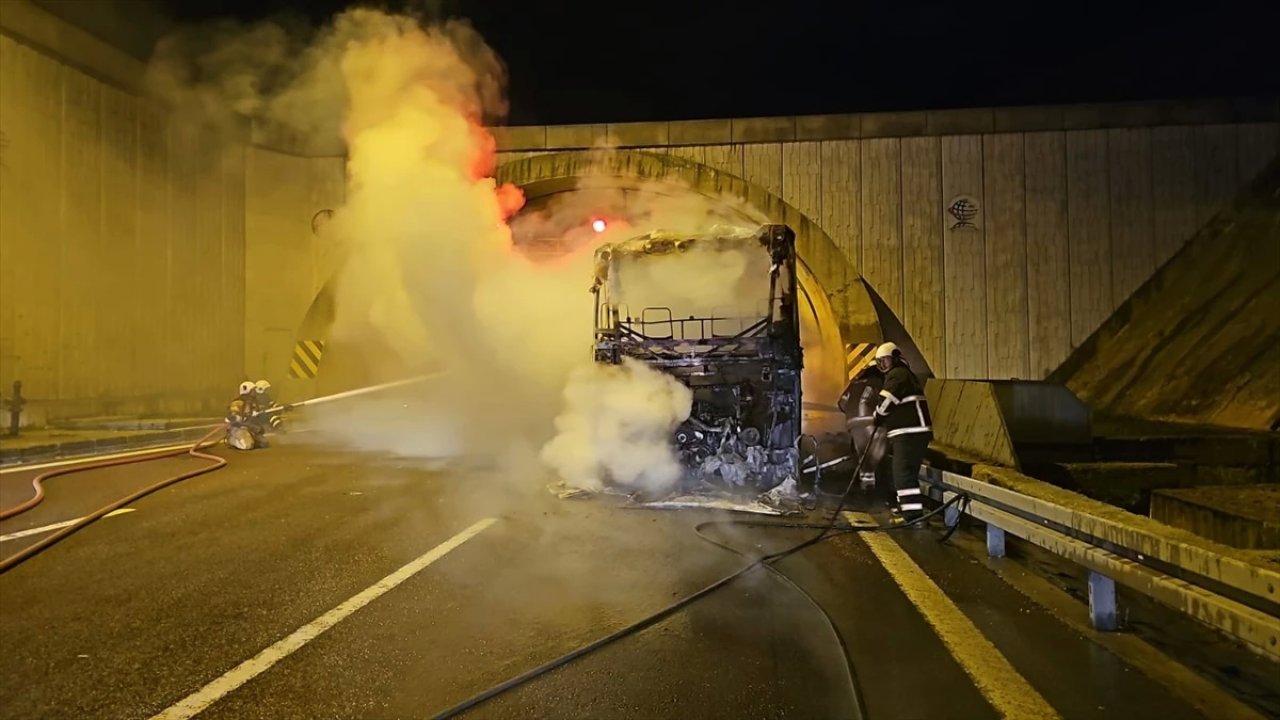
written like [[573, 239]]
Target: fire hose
[[39, 480], [826, 530], [193, 451]]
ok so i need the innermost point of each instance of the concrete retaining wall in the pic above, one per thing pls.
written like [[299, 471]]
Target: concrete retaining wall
[[1199, 343], [121, 235], [1076, 206], [287, 259], [967, 418], [1246, 518]]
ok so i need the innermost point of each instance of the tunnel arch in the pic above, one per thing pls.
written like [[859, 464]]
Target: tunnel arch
[[838, 296], [819, 255], [841, 311]]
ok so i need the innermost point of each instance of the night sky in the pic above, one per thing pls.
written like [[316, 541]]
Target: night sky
[[573, 62]]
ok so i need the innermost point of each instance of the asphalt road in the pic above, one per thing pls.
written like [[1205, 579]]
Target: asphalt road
[[140, 611]]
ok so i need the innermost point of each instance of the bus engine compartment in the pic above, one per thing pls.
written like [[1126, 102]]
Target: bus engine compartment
[[734, 342]]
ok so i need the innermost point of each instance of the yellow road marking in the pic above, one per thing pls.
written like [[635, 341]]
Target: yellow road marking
[[992, 673], [1200, 692]]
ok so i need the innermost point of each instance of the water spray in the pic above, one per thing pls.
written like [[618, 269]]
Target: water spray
[[248, 434], [350, 393]]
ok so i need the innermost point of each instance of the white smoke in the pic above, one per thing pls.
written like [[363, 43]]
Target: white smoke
[[616, 428], [432, 279], [435, 276], [729, 282], [289, 76]]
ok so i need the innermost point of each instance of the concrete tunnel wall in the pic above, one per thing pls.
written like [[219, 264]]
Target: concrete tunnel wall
[[121, 237], [1085, 201], [1077, 206], [141, 272], [1072, 220], [287, 260], [1200, 342]]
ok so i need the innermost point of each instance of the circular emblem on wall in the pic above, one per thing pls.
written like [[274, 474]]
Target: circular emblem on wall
[[963, 212], [319, 220]]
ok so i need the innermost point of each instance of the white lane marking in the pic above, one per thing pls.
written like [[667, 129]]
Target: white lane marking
[[992, 673], [56, 526], [90, 458], [196, 702]]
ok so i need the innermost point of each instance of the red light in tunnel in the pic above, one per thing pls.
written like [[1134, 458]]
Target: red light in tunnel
[[599, 225]]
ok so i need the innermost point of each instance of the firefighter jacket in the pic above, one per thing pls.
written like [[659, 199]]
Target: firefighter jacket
[[250, 400], [903, 408]]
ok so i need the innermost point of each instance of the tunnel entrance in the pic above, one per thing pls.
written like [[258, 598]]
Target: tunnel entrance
[[573, 198], [557, 220]]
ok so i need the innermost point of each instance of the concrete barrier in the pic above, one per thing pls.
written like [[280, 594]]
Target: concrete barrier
[[967, 417], [1242, 517]]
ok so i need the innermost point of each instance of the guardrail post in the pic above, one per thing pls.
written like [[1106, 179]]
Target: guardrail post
[[995, 541], [951, 516], [1102, 602]]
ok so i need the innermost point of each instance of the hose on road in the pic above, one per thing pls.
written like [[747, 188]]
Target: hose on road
[[38, 483], [193, 450], [827, 530]]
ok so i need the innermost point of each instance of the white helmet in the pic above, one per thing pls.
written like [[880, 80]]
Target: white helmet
[[246, 387], [262, 386], [887, 350]]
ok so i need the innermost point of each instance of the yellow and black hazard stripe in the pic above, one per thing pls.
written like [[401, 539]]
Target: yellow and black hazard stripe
[[858, 356], [306, 359]]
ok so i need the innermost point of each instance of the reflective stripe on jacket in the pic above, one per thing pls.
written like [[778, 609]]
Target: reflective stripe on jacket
[[902, 403]]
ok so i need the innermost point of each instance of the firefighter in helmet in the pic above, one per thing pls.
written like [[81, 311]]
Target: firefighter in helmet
[[241, 432], [903, 413], [247, 396], [264, 401]]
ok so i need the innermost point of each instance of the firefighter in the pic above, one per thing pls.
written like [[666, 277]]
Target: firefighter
[[241, 433], [263, 403], [248, 396], [903, 412], [235, 412], [262, 389]]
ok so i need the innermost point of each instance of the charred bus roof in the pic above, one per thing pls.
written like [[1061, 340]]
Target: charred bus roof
[[777, 240]]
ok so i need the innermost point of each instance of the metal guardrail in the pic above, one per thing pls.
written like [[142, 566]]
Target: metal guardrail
[[1240, 599]]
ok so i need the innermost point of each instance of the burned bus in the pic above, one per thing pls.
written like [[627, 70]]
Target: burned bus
[[719, 312]]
